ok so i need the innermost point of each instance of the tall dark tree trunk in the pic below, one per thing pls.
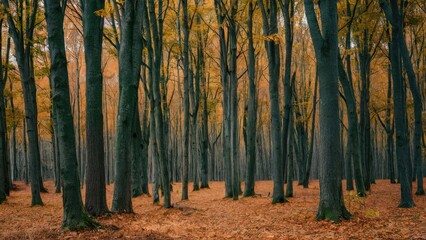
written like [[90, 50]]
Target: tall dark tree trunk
[[418, 128], [145, 143], [287, 12], [233, 100], [290, 157], [185, 163], [136, 152], [130, 58], [402, 144], [389, 130], [270, 28], [252, 105], [353, 147], [221, 16], [13, 154], [25, 155], [365, 135], [3, 132], [201, 80], [154, 22], [311, 143], [331, 205], [23, 50], [75, 216], [4, 183], [95, 178]]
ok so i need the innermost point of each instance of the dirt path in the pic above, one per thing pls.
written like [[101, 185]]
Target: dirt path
[[207, 215]]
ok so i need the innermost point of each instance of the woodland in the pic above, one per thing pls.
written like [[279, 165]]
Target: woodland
[[212, 119]]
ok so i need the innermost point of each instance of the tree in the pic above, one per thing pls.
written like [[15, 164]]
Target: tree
[[223, 52], [287, 8], [95, 180], [233, 100], [130, 58], [4, 183], [153, 23], [352, 149], [185, 164], [331, 205], [75, 217], [399, 50], [23, 40], [252, 106], [270, 30]]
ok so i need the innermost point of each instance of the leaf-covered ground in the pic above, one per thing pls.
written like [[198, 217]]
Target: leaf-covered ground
[[207, 215]]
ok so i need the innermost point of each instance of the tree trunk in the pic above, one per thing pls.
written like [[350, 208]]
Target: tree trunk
[[3, 142], [145, 144], [233, 100], [270, 28], [185, 164], [252, 108], [402, 145], [155, 24], [331, 205], [226, 142], [353, 147], [75, 217], [25, 66], [137, 145], [311, 143], [95, 179], [290, 158], [130, 58]]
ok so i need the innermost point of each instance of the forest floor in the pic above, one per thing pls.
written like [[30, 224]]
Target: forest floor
[[209, 216]]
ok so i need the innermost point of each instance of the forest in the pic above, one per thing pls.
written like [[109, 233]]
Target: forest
[[212, 119]]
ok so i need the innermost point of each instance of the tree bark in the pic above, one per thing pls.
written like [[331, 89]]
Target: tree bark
[[270, 28], [353, 145], [252, 108], [331, 205], [130, 58], [23, 45], [95, 178], [75, 217]]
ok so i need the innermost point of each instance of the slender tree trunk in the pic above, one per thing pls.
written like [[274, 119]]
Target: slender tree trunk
[[252, 107], [270, 27], [285, 8], [402, 148], [353, 145], [24, 143], [390, 130], [155, 24], [233, 104], [23, 45], [418, 128], [290, 158], [311, 143], [186, 81], [136, 152], [145, 144], [75, 216], [130, 58], [3, 142]]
